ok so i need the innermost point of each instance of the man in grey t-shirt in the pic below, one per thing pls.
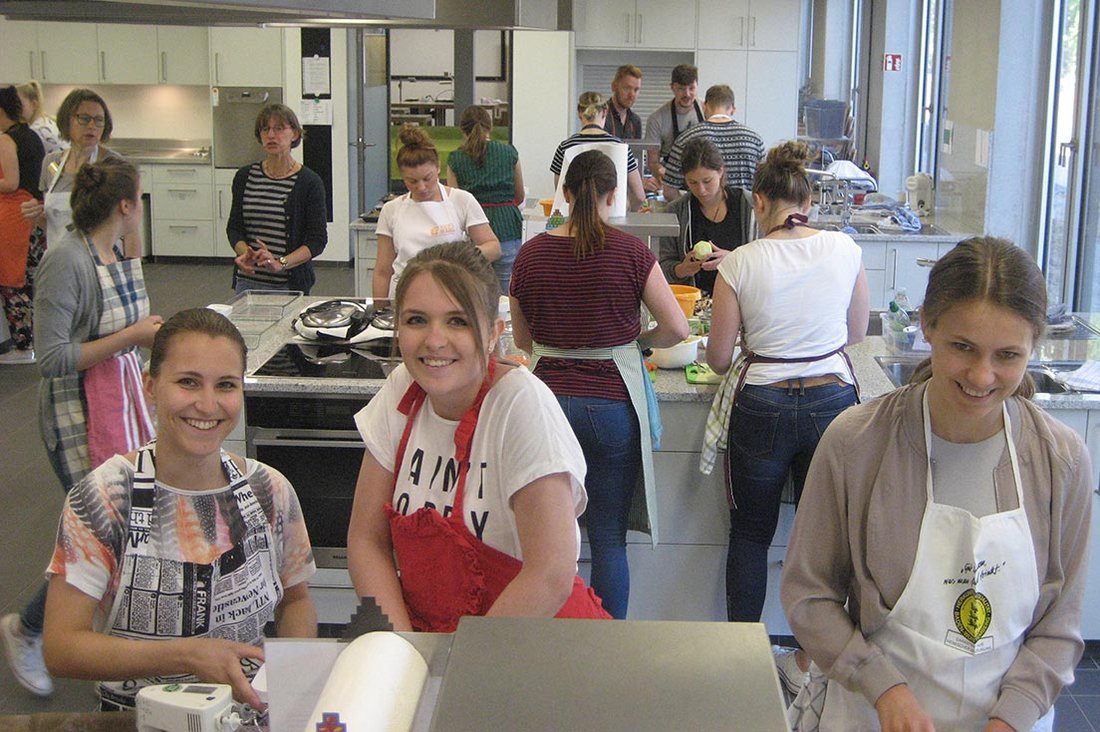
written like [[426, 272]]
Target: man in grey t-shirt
[[672, 118]]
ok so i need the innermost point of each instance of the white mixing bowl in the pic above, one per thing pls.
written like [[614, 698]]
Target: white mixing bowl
[[678, 356]]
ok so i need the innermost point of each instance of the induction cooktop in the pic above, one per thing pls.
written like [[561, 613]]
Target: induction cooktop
[[371, 360]]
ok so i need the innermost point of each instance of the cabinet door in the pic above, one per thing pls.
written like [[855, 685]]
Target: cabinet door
[[903, 270], [773, 25], [723, 24], [127, 53], [67, 53], [183, 55], [665, 24], [223, 202], [604, 23], [771, 95], [19, 59], [246, 56], [182, 238], [724, 67]]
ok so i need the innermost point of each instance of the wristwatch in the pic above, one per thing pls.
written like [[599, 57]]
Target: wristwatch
[[282, 261]]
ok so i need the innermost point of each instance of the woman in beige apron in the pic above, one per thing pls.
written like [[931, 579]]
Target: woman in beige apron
[[936, 569], [576, 296]]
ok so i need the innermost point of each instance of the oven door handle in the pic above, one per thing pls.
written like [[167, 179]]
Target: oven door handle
[[306, 438]]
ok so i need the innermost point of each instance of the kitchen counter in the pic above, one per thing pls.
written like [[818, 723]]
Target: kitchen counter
[[162, 151]]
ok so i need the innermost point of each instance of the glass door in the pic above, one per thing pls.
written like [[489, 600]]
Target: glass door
[[1088, 276], [1059, 243]]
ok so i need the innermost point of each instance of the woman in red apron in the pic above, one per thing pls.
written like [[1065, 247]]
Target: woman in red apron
[[795, 298], [472, 481], [937, 566], [429, 214], [172, 558]]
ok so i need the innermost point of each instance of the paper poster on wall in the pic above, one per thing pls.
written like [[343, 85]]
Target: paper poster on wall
[[948, 133], [315, 76], [316, 112]]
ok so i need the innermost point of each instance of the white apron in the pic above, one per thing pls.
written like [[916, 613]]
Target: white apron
[[59, 214], [441, 225], [158, 598], [962, 617]]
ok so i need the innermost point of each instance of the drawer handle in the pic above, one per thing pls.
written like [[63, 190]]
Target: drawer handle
[[191, 191], [183, 228], [174, 170]]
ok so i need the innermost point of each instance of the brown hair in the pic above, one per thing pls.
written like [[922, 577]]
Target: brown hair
[[98, 188], [992, 270], [700, 152], [195, 320], [281, 113], [685, 75], [627, 70], [11, 104], [782, 175], [465, 274], [719, 95], [591, 176], [416, 147], [590, 105], [476, 124], [67, 111], [32, 90]]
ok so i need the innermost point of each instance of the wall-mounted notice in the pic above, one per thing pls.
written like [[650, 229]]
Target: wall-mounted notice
[[316, 112], [891, 62], [315, 77]]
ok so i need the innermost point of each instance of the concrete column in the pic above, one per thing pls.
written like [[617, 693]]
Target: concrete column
[[464, 71]]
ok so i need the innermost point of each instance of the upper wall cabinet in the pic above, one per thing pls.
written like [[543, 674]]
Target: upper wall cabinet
[[246, 56], [19, 60], [68, 53], [750, 25], [183, 55], [648, 24], [127, 53]]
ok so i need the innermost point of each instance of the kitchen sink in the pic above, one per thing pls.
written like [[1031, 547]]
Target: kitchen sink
[[925, 230], [900, 369], [859, 228]]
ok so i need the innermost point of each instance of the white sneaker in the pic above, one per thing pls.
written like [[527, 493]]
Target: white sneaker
[[17, 355], [790, 674], [24, 654]]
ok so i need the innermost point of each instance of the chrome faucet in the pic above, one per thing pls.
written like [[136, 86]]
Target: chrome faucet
[[834, 195]]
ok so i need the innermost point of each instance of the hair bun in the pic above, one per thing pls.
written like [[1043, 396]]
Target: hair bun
[[414, 136], [790, 156], [89, 176]]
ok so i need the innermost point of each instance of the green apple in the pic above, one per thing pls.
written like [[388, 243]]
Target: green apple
[[703, 249]]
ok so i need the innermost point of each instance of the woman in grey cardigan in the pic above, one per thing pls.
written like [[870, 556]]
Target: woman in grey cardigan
[[712, 212]]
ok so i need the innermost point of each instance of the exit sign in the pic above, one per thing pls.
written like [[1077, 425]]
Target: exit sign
[[891, 62]]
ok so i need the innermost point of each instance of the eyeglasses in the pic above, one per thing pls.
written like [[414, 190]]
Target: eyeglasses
[[86, 119], [277, 129]]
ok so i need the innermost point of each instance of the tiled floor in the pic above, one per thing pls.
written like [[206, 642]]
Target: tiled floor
[[31, 498], [29, 494]]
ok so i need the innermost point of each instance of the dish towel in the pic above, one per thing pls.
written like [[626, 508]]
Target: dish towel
[[906, 219], [716, 430], [118, 419], [1086, 378]]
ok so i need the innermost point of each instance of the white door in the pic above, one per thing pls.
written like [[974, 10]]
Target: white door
[[771, 95], [127, 53], [906, 272], [723, 24], [604, 23], [774, 25], [183, 55], [67, 53], [19, 58], [665, 24], [246, 56]]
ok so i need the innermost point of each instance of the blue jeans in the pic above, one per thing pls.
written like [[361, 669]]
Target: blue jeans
[[773, 432], [503, 266], [608, 432]]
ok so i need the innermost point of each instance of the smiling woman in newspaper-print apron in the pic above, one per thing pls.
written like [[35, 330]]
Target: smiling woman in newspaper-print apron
[[936, 568]]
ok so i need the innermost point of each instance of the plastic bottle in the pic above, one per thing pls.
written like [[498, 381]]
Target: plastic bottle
[[899, 319], [555, 220]]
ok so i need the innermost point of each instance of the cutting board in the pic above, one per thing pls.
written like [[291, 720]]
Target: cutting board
[[700, 373]]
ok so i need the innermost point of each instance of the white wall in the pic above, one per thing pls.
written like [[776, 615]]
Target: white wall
[[542, 103], [157, 112]]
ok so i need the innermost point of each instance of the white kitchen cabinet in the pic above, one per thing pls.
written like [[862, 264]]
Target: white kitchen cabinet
[[68, 53], [903, 270], [366, 254], [19, 60], [127, 53], [183, 55], [649, 24], [744, 25], [1090, 619], [246, 57], [765, 88], [182, 211], [223, 203]]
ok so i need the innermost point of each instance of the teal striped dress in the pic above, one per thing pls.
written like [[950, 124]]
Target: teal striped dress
[[493, 182]]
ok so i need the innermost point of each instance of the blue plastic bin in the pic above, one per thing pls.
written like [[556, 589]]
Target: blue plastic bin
[[825, 118]]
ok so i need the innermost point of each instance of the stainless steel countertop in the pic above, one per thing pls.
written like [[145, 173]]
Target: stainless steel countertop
[[162, 151]]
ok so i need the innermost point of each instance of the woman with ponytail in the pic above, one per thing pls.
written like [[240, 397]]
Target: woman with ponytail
[[575, 304], [796, 298], [91, 317], [489, 169], [429, 214]]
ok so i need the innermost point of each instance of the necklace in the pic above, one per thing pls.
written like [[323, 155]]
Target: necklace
[[269, 169], [714, 214]]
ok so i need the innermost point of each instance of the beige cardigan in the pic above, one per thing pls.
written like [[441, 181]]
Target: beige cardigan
[[855, 538]]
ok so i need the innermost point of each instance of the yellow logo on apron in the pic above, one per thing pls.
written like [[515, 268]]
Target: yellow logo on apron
[[973, 613]]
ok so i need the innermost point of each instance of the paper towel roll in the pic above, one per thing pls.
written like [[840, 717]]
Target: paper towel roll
[[375, 685]]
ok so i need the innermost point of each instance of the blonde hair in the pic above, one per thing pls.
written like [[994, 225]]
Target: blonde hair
[[32, 90], [590, 105]]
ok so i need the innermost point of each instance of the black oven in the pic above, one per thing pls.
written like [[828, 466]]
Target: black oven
[[312, 440]]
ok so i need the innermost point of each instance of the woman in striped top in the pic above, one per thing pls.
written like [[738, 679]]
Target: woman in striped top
[[575, 304], [277, 224], [490, 170], [592, 111]]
